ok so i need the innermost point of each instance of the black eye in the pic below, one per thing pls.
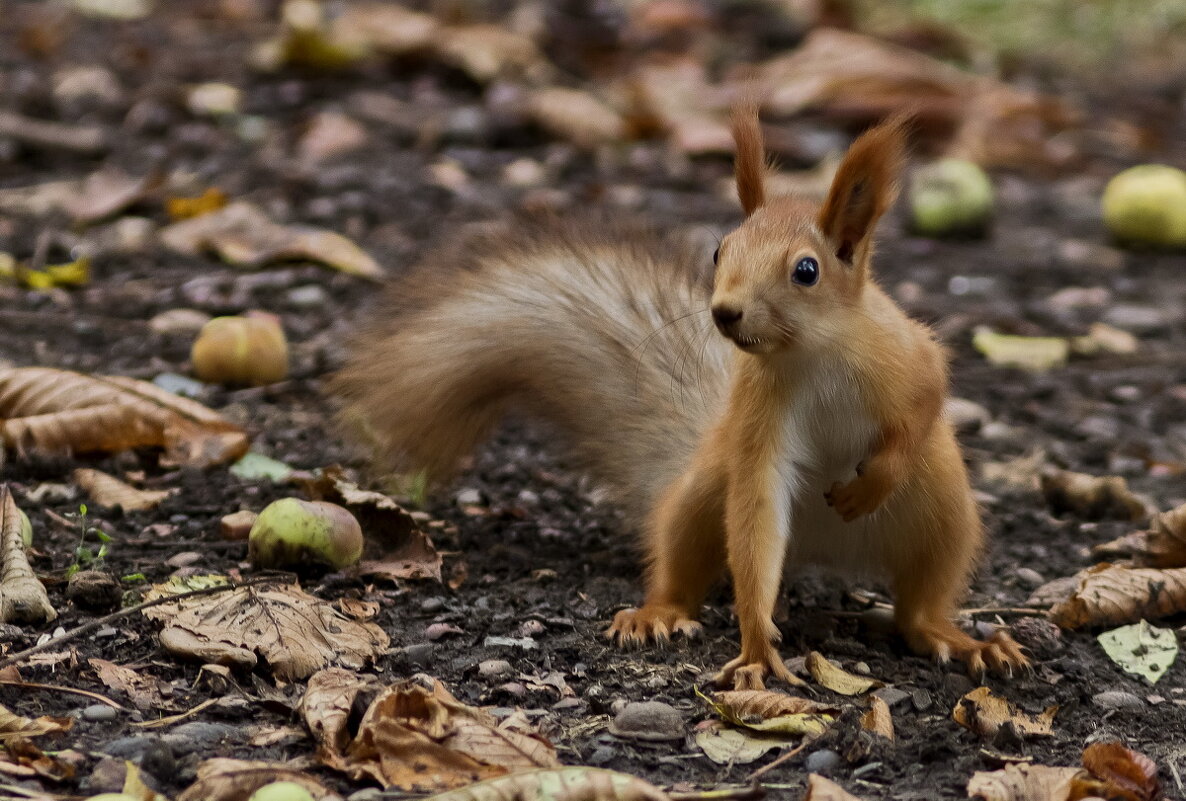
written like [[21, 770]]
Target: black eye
[[806, 271], [715, 255]]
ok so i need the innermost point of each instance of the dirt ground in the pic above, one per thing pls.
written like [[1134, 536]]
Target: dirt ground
[[541, 555]]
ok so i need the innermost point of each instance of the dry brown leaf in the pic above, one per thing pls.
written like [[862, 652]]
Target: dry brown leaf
[[14, 725], [327, 703], [561, 784], [416, 736], [675, 97], [766, 704], [983, 712], [1023, 472], [489, 52], [145, 692], [837, 679], [1028, 783], [396, 547], [1091, 497], [1127, 774], [22, 597], [1163, 545], [48, 766], [223, 779], [576, 116], [294, 632], [44, 409], [384, 28], [39, 200], [854, 76], [243, 235], [878, 719], [821, 789], [1112, 595], [107, 490], [106, 192]]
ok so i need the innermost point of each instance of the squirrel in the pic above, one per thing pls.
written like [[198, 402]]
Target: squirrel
[[811, 432]]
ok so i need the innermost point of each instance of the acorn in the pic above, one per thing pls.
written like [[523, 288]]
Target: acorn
[[294, 533], [249, 350], [1146, 205]]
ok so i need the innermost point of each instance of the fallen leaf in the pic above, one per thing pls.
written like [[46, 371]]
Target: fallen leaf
[[255, 465], [328, 703], [561, 784], [729, 746], [106, 192], [1104, 338], [70, 274], [113, 9], [384, 28], [773, 712], [1029, 783], [1112, 595], [1028, 353], [836, 679], [1024, 472], [145, 692], [1091, 497], [134, 786], [821, 789], [222, 779], [47, 766], [294, 632], [243, 235], [109, 491], [576, 116], [676, 98], [984, 713], [39, 200], [328, 136], [22, 597], [61, 411], [489, 52], [184, 208], [1163, 545], [1141, 649], [1126, 773], [14, 725], [357, 609], [878, 719], [416, 736], [396, 547]]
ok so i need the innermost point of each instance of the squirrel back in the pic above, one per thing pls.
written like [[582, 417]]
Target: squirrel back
[[600, 330]]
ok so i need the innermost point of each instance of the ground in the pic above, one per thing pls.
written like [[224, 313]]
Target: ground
[[543, 548]]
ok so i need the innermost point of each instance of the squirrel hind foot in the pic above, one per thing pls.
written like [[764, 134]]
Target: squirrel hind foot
[[651, 623], [747, 673], [999, 654]]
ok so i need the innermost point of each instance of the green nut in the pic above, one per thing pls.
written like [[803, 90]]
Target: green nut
[[293, 533], [950, 197], [1147, 205], [281, 791]]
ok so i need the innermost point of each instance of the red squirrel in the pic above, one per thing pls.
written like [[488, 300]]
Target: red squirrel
[[811, 432]]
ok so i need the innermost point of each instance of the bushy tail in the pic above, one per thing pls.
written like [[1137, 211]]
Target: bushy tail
[[604, 335]]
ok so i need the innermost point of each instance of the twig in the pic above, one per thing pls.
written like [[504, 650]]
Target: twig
[[171, 719], [78, 631], [49, 134], [751, 793], [32, 685], [1004, 610], [762, 771]]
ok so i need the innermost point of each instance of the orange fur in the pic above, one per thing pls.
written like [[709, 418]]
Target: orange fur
[[811, 433]]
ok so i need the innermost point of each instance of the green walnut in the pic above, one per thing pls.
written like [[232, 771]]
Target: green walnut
[[1146, 205], [295, 533], [281, 791], [950, 197]]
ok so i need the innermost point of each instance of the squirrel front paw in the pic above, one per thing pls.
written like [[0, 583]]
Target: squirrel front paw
[[657, 622], [748, 672], [861, 496]]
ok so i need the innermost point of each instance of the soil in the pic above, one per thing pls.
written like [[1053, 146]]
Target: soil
[[539, 553]]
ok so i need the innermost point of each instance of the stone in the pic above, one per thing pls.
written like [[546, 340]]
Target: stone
[[419, 653], [179, 322], [198, 735], [821, 761], [495, 668], [967, 416], [1119, 700], [1135, 318], [1029, 578], [892, 696], [99, 713], [469, 497], [107, 777], [648, 721], [310, 296]]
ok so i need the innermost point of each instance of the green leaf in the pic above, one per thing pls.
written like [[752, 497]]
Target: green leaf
[[255, 465], [1141, 649], [100, 536]]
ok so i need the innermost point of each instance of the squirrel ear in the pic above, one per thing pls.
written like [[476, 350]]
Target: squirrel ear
[[865, 186], [749, 165]]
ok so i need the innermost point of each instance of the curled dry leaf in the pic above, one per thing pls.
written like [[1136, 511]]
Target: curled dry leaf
[[562, 784], [1112, 595], [22, 597], [294, 632], [107, 490], [836, 679], [878, 719], [1163, 545], [774, 712], [43, 409], [106, 192], [1030, 783], [24, 753], [984, 712], [1091, 497], [327, 704], [416, 736], [1126, 773], [145, 692], [243, 235], [223, 779], [729, 746], [821, 789], [675, 97], [396, 547], [576, 116], [14, 725]]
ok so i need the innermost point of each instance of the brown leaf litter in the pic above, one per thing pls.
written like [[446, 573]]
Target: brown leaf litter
[[22, 596], [985, 713], [1112, 595], [107, 490]]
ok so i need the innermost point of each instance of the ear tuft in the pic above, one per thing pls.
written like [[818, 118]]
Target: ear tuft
[[865, 186], [750, 163]]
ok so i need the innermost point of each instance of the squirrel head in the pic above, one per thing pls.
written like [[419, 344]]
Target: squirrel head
[[793, 271]]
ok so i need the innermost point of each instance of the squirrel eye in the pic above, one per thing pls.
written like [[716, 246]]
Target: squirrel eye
[[806, 271], [715, 255]]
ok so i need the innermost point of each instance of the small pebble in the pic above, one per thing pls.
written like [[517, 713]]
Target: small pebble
[[179, 322], [107, 777], [99, 713], [821, 761], [526, 643], [310, 296], [468, 497], [1029, 578], [433, 604], [602, 755], [1118, 699], [531, 628], [437, 631], [513, 688], [1135, 318], [862, 668], [648, 720], [419, 653], [922, 699], [179, 385], [237, 525], [892, 696], [495, 668]]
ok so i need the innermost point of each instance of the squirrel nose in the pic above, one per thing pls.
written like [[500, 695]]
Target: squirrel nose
[[725, 315]]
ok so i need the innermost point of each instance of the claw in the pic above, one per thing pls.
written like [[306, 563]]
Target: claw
[[634, 627]]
